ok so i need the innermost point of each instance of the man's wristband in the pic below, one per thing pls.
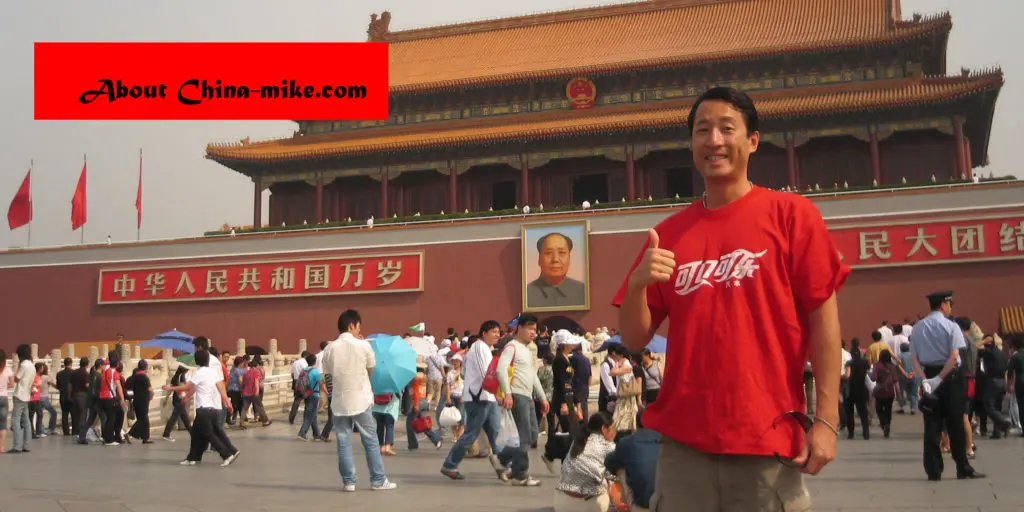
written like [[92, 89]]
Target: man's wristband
[[827, 424]]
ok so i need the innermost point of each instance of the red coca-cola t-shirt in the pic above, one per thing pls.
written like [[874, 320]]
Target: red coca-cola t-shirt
[[747, 276]]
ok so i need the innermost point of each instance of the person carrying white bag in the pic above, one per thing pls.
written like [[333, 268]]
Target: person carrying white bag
[[519, 386]]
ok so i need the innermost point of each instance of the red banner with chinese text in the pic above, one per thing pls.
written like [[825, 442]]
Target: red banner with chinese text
[[268, 279], [925, 243]]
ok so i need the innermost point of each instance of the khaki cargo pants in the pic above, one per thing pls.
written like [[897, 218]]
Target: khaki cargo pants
[[692, 481]]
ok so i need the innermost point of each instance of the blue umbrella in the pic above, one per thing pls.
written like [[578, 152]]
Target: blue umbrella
[[396, 365], [378, 335], [172, 339], [657, 345]]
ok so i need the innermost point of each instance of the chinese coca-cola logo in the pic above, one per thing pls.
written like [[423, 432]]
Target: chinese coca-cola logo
[[730, 269]]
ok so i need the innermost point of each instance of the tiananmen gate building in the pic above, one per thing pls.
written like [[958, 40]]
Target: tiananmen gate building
[[550, 111]]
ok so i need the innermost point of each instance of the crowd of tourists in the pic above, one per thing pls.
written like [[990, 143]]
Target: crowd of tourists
[[750, 272]]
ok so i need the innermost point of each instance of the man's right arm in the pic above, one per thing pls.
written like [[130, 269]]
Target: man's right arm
[[637, 319]]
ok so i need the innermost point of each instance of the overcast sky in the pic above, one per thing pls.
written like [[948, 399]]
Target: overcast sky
[[184, 194]]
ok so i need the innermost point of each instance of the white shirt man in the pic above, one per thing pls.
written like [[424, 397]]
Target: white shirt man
[[477, 359], [298, 366], [205, 379], [886, 335], [347, 360]]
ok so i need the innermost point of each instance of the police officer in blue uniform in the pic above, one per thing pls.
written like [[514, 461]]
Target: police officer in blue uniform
[[935, 346]]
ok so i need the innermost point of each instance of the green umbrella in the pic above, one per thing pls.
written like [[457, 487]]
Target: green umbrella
[[187, 359]]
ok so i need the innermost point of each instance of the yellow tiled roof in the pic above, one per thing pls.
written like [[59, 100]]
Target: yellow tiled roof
[[827, 100], [1012, 320], [638, 35]]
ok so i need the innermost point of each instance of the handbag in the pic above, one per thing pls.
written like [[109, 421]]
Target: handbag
[[422, 424], [630, 388]]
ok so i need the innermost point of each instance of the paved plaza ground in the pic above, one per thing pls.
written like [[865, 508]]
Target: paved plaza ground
[[275, 472]]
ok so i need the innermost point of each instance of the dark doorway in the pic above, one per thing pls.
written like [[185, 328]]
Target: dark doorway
[[590, 187], [679, 181], [503, 195]]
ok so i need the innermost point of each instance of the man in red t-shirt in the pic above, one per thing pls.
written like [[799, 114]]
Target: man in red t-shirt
[[747, 278]]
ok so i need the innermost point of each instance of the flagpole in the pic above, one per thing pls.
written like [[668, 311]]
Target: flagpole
[[81, 239], [31, 166], [138, 224]]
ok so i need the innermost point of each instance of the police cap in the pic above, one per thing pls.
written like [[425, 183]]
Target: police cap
[[940, 296]]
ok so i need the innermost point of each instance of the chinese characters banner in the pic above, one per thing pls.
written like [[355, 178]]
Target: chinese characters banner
[[931, 242], [384, 273]]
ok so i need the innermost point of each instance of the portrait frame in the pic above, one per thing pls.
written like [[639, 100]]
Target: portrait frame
[[579, 268]]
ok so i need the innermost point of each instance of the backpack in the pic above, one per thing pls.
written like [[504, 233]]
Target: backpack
[[490, 383], [885, 379], [302, 385]]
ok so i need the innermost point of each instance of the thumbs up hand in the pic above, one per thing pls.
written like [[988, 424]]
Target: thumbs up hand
[[656, 265]]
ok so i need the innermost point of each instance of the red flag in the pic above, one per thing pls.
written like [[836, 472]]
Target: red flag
[[138, 194], [20, 211], [78, 205]]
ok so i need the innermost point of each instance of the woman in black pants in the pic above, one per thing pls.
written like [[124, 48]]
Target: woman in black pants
[[180, 411], [142, 392], [856, 372], [563, 400]]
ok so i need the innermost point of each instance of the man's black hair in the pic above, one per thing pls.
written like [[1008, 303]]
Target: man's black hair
[[200, 342], [310, 360], [963, 322], [738, 99], [488, 325], [83, 362], [347, 319], [68, 362], [527, 319], [202, 358], [24, 352], [304, 354], [540, 241], [323, 345], [214, 352], [877, 336]]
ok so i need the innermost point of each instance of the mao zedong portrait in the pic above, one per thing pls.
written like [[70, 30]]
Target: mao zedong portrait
[[554, 287]]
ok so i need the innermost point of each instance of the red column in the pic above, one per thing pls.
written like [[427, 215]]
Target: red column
[[319, 199], [645, 177], [524, 180], [384, 195], [959, 143], [453, 190], [876, 165], [257, 202], [791, 164], [967, 156], [630, 175]]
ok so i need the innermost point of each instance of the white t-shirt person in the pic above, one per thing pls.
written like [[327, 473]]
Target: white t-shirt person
[[205, 380], [347, 360], [478, 358]]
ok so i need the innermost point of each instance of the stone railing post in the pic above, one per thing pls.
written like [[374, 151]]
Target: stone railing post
[[105, 351], [71, 351], [240, 347], [274, 356], [35, 351], [138, 352], [94, 354], [55, 362], [126, 355], [302, 346]]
